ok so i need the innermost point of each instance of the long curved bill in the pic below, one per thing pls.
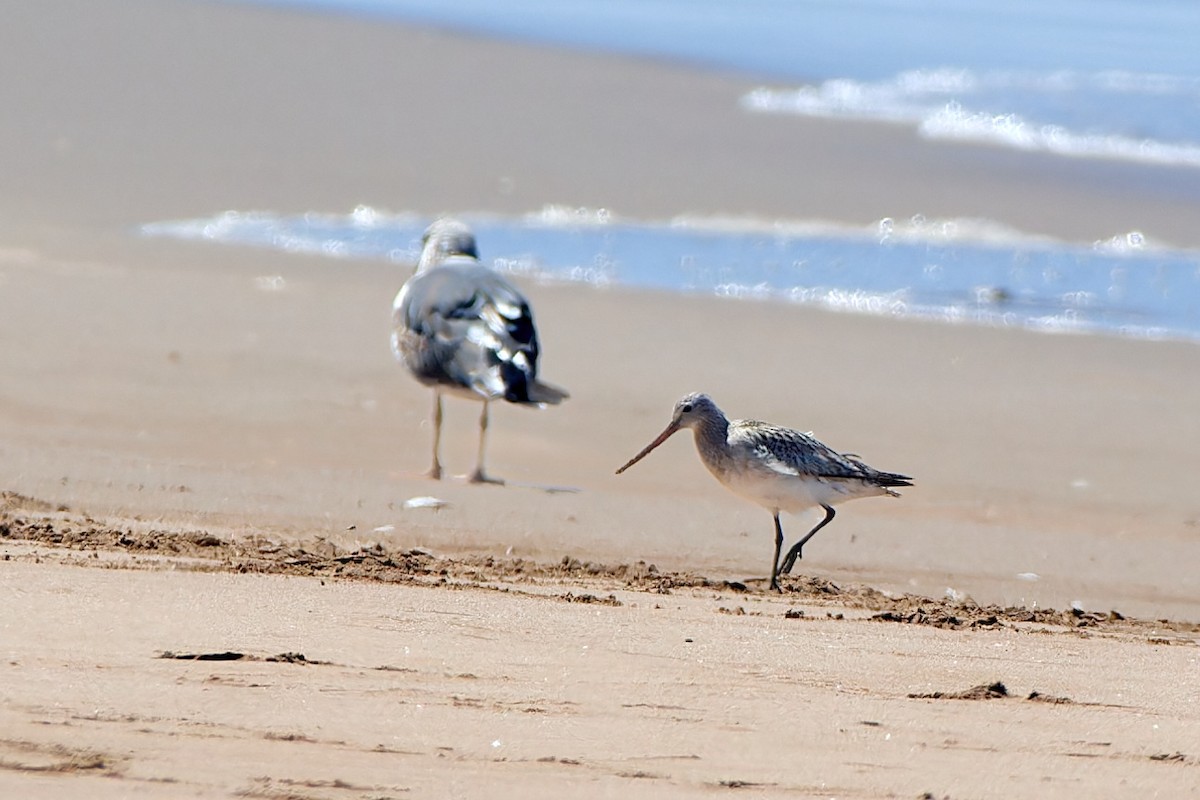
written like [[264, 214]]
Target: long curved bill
[[662, 437]]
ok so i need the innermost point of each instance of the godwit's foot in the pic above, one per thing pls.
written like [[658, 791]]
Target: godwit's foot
[[775, 573], [478, 476], [790, 561], [435, 472]]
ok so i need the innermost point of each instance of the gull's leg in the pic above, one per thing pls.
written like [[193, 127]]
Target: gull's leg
[[479, 476], [435, 471], [794, 553]]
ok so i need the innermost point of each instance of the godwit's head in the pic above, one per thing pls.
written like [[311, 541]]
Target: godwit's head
[[692, 411], [446, 238]]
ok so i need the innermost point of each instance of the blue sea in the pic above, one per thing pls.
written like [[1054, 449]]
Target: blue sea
[[1102, 79]]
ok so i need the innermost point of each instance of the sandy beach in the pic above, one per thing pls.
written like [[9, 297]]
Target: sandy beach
[[212, 585]]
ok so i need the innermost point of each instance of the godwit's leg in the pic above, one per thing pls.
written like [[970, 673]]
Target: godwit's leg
[[794, 553], [435, 471], [479, 476], [775, 560]]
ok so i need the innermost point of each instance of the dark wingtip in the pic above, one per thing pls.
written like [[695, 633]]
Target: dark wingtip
[[893, 479], [521, 388], [546, 393]]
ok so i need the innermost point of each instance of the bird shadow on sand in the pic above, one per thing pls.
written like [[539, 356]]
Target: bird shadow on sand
[[544, 487], [459, 480]]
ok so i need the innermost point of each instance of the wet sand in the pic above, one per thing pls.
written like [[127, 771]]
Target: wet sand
[[200, 461]]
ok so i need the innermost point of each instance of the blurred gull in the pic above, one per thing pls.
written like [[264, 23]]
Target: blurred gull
[[462, 329]]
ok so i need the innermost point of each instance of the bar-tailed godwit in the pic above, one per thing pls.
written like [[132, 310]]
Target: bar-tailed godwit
[[779, 468], [462, 329]]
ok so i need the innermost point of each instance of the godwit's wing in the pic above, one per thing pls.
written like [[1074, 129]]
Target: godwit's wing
[[791, 452]]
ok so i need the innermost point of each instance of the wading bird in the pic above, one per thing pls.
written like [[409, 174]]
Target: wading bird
[[779, 468]]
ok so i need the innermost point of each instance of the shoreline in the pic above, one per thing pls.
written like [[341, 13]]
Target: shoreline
[[539, 244]]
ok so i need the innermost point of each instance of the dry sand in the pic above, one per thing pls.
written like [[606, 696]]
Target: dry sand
[[197, 465]]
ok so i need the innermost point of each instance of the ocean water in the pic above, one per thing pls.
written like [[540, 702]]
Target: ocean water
[[961, 272], [1116, 79], [1102, 79]]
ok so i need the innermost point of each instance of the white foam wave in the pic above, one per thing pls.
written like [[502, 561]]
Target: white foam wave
[[805, 262], [552, 215], [953, 104], [1132, 242], [915, 229], [904, 98], [324, 233], [955, 122]]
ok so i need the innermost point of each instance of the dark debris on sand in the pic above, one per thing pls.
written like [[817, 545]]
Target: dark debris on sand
[[997, 690], [984, 691], [230, 655], [28, 520]]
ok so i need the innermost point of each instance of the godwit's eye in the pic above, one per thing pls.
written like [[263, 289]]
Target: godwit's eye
[[686, 407]]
